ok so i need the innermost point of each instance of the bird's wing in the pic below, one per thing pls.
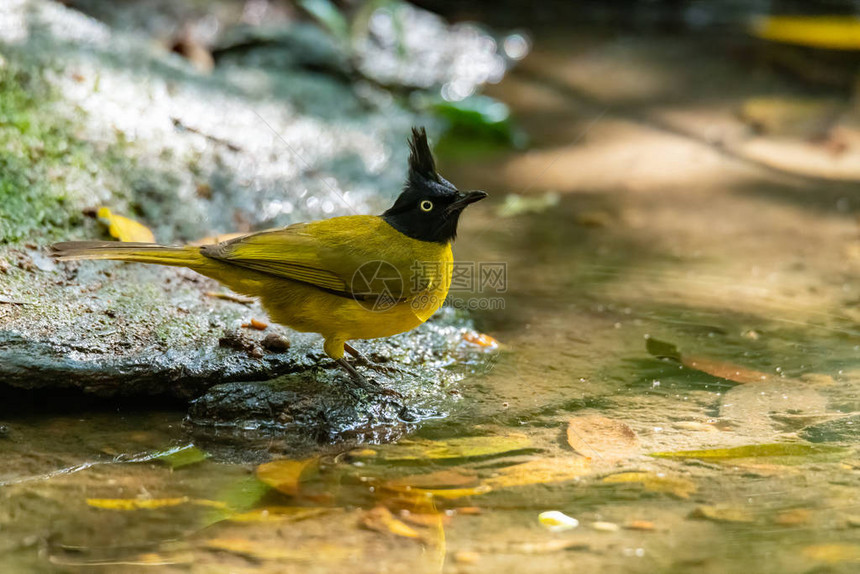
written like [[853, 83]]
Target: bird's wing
[[355, 256]]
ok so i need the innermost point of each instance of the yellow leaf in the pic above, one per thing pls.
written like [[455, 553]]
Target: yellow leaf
[[265, 550], [539, 471], [381, 520], [654, 482], [123, 228], [277, 514], [135, 503], [467, 447], [284, 475], [835, 553], [446, 493], [723, 513], [723, 370], [601, 439], [828, 32], [753, 450]]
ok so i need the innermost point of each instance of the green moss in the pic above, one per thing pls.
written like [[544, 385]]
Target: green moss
[[45, 171]]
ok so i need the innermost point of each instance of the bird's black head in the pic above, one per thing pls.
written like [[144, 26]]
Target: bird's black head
[[429, 207]]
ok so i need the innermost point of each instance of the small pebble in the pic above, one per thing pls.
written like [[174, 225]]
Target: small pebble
[[556, 521], [605, 526], [275, 343]]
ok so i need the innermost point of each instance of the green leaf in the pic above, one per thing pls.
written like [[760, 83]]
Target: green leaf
[[662, 349], [182, 456], [453, 449], [328, 15], [753, 451]]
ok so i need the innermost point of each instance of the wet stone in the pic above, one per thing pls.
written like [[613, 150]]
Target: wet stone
[[845, 429]]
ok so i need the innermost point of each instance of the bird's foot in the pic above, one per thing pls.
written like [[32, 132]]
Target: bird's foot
[[362, 360], [368, 385]]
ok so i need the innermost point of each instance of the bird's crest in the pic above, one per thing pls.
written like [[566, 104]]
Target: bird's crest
[[420, 159]]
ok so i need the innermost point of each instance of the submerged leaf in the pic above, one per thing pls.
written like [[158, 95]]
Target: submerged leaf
[[123, 228], [265, 550], [835, 553], [723, 370], [149, 503], [277, 514], [723, 513], [654, 482], [456, 448], [752, 450], [540, 471], [380, 519], [602, 439], [284, 475]]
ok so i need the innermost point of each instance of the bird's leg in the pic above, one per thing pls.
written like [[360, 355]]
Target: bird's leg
[[361, 381], [362, 360]]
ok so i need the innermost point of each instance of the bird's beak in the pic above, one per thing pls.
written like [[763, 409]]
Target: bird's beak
[[465, 199]]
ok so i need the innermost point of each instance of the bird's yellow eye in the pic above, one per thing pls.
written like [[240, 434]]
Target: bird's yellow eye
[[426, 205]]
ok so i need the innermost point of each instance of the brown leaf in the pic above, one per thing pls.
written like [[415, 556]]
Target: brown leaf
[[284, 475], [539, 471], [654, 482], [723, 370], [723, 513], [380, 519], [601, 439]]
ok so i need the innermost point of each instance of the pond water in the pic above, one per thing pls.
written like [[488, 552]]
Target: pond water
[[678, 371]]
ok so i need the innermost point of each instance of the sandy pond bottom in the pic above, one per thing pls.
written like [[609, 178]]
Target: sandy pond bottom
[[678, 373]]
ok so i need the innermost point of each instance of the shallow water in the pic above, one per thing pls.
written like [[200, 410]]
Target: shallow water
[[697, 300]]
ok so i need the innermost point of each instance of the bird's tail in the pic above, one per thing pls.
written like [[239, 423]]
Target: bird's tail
[[185, 256]]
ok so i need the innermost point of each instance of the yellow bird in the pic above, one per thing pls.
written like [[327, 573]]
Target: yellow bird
[[346, 278]]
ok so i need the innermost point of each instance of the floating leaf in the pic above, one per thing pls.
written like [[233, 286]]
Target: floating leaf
[[654, 482], [183, 456], [284, 475], [753, 450], [828, 32], [456, 448], [602, 439], [723, 513], [123, 228], [380, 519], [540, 471], [556, 521]]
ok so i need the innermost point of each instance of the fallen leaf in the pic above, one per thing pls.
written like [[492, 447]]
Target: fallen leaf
[[265, 550], [284, 475], [835, 553], [655, 482], [480, 339], [723, 513], [277, 514], [456, 448], [793, 517], [723, 370], [753, 451], [380, 519], [255, 324], [184, 456], [539, 471], [149, 503], [455, 478], [828, 32], [229, 297], [602, 439], [640, 525], [123, 228]]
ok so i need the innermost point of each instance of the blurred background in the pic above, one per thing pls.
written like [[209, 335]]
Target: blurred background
[[659, 372]]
